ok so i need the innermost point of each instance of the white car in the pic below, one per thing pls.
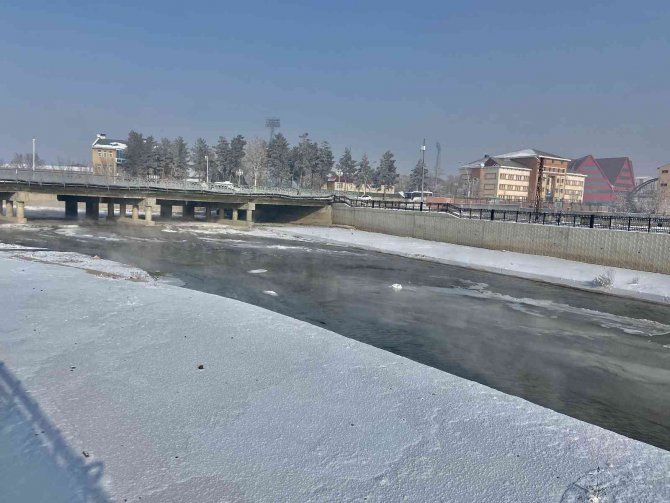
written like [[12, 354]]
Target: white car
[[365, 198], [225, 185]]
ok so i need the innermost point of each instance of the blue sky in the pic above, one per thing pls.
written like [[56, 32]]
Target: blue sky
[[478, 76]]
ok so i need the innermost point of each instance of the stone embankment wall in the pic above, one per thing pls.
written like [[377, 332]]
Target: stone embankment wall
[[632, 250]]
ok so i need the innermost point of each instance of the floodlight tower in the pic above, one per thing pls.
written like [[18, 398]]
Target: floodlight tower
[[272, 123]]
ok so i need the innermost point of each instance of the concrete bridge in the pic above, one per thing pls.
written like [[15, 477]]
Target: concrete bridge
[[137, 199]]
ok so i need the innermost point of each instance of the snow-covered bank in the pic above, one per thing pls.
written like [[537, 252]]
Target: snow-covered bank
[[102, 398], [624, 282], [93, 265]]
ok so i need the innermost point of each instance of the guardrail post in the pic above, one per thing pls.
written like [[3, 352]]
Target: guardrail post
[[592, 221], [493, 212], [629, 219], [649, 226], [421, 206]]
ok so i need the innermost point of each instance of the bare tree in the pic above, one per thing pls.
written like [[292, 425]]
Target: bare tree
[[255, 162]]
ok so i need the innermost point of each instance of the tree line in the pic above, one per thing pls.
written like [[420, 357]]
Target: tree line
[[256, 162]]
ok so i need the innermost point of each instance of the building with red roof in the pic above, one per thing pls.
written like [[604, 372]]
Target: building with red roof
[[608, 179]]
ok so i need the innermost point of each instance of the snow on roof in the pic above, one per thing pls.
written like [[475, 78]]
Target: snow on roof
[[500, 161], [531, 152], [103, 142]]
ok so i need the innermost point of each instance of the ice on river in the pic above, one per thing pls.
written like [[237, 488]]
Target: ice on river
[[101, 399]]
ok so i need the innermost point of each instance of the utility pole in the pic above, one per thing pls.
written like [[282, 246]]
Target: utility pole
[[207, 169], [239, 176], [33, 154], [423, 166], [539, 187]]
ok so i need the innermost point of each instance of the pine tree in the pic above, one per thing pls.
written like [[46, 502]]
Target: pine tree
[[415, 176], [278, 160], [165, 160], [237, 145], [150, 161], [347, 165], [305, 158], [364, 173], [179, 158], [386, 173], [325, 164], [134, 153], [199, 152], [221, 171]]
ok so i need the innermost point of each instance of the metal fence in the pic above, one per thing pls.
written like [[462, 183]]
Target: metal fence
[[622, 222], [51, 178]]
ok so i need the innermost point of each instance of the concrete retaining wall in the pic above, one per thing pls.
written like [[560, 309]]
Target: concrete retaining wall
[[632, 250]]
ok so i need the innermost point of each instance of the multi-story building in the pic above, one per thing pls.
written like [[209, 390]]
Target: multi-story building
[[494, 178], [663, 196], [514, 176], [107, 155], [609, 179]]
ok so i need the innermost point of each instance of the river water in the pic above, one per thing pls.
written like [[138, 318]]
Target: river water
[[595, 357]]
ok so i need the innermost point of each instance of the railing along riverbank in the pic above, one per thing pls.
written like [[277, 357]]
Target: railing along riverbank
[[613, 221]]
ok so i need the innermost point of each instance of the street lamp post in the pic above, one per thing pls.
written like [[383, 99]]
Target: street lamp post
[[33, 154], [338, 172], [239, 176], [423, 166], [207, 169]]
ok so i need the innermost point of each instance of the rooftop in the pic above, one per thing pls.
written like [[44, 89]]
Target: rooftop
[[532, 152]]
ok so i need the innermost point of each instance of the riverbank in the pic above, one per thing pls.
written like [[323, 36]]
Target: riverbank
[[642, 285], [102, 397]]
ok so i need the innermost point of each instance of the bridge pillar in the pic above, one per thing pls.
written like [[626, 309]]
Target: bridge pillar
[[250, 216], [93, 209], [110, 210], [235, 214], [166, 210], [71, 208], [9, 208], [20, 212], [208, 213], [136, 212], [148, 214], [188, 211], [122, 210]]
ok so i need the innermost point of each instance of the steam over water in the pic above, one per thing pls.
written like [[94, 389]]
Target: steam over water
[[594, 357]]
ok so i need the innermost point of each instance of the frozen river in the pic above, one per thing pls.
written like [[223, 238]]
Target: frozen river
[[598, 358]]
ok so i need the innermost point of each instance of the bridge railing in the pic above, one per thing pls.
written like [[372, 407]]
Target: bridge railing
[[69, 178], [613, 221]]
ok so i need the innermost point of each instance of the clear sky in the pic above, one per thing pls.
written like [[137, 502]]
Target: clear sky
[[479, 76]]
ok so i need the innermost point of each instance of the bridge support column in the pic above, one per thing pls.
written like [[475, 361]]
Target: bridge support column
[[71, 209], [148, 215], [166, 210], [250, 216], [9, 208], [110, 210], [93, 209], [20, 212], [136, 212], [236, 214], [208, 213], [188, 211]]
